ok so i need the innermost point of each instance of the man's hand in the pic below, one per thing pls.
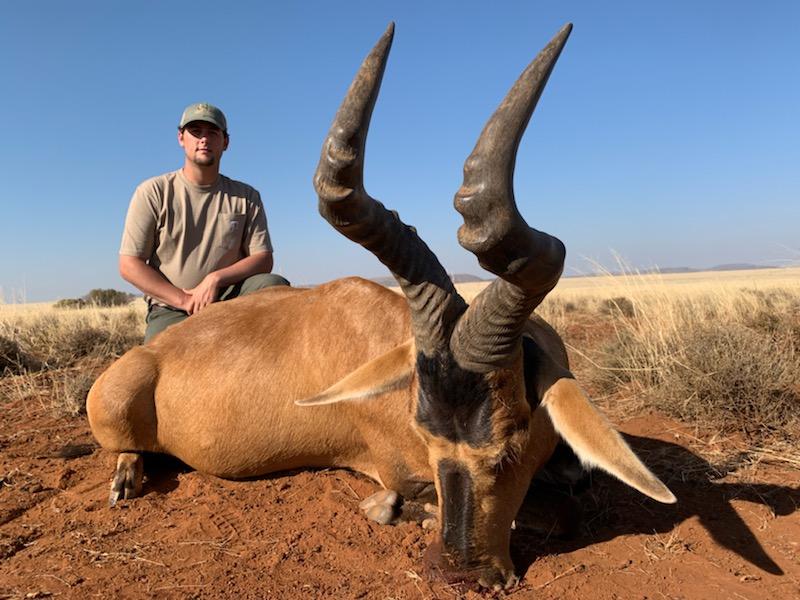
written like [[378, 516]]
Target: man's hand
[[186, 302], [202, 295]]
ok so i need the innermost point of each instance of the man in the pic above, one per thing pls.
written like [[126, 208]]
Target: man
[[194, 236]]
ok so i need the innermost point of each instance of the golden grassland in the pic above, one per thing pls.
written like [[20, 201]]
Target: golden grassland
[[18, 314], [717, 349], [703, 283]]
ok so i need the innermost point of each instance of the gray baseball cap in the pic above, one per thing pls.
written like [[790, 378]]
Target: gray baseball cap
[[203, 112]]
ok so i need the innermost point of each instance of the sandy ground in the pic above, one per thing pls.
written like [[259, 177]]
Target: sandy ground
[[301, 535]]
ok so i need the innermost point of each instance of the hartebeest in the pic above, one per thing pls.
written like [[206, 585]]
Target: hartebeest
[[414, 390]]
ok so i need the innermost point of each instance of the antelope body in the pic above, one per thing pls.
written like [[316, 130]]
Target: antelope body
[[419, 391]]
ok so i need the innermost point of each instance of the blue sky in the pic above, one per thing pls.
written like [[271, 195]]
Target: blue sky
[[668, 132]]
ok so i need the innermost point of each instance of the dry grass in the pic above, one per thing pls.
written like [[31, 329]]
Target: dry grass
[[728, 359], [717, 349], [53, 355]]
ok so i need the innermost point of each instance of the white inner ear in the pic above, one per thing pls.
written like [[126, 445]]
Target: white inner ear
[[596, 442], [388, 372]]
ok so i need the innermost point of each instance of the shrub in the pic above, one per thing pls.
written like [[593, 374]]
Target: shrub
[[13, 360], [74, 387], [618, 306], [70, 303], [76, 343], [732, 367], [70, 349], [97, 298], [109, 297], [735, 378]]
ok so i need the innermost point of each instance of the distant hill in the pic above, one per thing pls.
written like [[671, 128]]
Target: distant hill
[[669, 270], [725, 267], [673, 270], [740, 267]]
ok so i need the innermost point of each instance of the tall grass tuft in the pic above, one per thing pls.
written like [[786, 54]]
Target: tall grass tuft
[[723, 358], [53, 355]]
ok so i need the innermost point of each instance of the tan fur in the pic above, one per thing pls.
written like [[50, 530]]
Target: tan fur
[[221, 392]]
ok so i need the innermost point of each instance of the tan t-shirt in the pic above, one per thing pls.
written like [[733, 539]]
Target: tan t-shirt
[[186, 231]]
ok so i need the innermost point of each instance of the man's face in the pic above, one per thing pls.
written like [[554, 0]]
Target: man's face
[[203, 143]]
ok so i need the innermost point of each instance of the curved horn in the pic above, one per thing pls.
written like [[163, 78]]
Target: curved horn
[[343, 202], [528, 262]]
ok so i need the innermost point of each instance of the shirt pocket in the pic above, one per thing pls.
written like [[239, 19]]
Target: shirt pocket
[[230, 229]]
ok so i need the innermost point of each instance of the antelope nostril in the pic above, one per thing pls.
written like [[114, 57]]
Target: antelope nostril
[[438, 565]]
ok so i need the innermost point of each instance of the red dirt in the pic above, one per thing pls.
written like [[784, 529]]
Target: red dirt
[[301, 535]]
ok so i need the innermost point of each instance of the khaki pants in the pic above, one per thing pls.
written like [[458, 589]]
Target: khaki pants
[[161, 317]]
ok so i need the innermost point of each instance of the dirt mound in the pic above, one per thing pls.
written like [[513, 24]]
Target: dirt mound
[[301, 535]]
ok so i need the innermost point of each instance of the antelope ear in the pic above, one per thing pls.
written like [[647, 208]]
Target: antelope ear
[[596, 442], [388, 372]]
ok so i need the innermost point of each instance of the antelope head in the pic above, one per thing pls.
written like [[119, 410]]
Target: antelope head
[[466, 369]]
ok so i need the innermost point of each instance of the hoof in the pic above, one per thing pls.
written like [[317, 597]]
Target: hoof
[[380, 513], [381, 507], [430, 524], [425, 514], [499, 581], [127, 482], [430, 518]]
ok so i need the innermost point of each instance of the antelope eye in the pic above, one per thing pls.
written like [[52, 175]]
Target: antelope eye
[[502, 460]]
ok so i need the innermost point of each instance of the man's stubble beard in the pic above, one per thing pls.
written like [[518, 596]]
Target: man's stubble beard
[[207, 161]]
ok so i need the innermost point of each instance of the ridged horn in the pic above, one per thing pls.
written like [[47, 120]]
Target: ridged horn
[[528, 262], [344, 203]]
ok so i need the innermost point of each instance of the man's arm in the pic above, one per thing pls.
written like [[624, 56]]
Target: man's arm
[[207, 291], [137, 272]]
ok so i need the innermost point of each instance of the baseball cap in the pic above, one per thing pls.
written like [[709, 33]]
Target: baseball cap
[[203, 112]]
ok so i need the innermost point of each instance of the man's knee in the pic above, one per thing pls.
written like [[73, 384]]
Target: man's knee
[[159, 318], [259, 281]]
